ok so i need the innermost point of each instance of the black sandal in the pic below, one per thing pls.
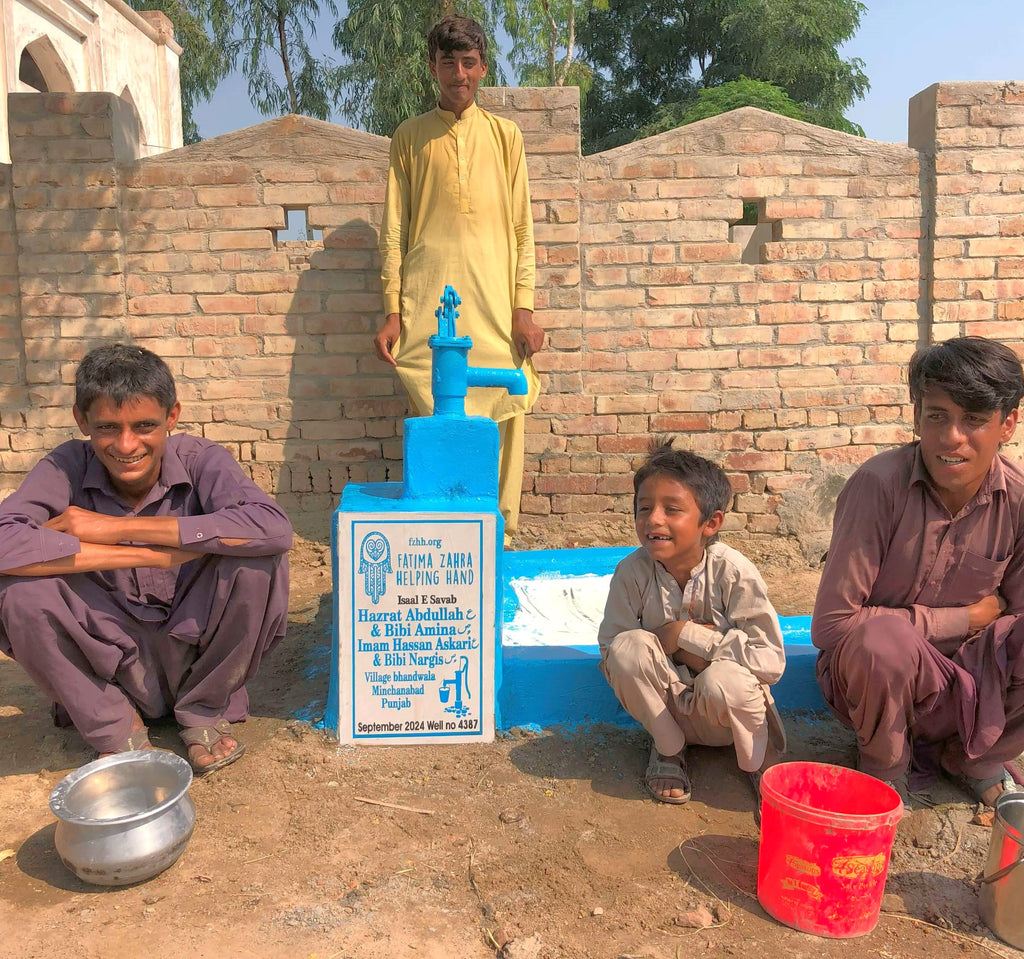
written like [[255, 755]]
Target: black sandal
[[672, 769]]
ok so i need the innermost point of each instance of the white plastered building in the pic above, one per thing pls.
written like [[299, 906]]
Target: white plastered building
[[85, 46]]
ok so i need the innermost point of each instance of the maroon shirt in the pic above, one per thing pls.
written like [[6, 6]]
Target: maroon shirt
[[200, 483], [896, 550]]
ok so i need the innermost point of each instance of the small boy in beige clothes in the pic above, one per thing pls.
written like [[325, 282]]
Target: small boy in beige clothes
[[689, 641]]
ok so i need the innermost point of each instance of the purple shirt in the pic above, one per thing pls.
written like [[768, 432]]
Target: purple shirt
[[897, 551], [200, 483]]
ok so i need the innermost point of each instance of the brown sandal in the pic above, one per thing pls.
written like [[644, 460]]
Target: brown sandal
[[137, 739], [208, 737]]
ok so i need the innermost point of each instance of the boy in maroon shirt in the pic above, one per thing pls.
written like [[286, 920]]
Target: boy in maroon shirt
[[918, 612], [142, 572]]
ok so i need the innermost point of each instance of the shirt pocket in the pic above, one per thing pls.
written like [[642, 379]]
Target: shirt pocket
[[157, 586], [975, 577]]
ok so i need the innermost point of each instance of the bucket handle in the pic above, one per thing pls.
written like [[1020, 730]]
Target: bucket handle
[[999, 873]]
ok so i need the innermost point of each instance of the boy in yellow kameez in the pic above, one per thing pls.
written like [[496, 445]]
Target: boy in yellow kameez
[[457, 211]]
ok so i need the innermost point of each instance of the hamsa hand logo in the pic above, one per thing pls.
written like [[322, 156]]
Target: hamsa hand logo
[[375, 564]]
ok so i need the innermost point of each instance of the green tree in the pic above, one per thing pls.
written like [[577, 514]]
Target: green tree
[[657, 55], [642, 52], [204, 58], [386, 79], [793, 44], [545, 50], [729, 96], [271, 34]]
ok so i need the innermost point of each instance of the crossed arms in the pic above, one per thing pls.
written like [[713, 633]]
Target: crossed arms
[[104, 540], [748, 634], [43, 534]]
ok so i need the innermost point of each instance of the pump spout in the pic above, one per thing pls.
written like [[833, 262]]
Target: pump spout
[[512, 380]]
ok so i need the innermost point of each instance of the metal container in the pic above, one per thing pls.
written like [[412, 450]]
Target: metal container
[[125, 818], [1002, 883]]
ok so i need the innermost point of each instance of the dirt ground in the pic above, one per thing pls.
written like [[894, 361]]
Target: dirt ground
[[534, 847]]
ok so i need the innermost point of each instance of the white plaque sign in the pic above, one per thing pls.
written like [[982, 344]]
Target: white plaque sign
[[415, 623]]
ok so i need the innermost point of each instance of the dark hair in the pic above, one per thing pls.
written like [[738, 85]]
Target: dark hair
[[457, 33], [979, 375], [708, 483], [123, 372]]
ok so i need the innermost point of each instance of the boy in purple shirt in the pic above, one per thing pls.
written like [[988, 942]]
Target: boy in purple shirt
[[918, 615], [141, 572]]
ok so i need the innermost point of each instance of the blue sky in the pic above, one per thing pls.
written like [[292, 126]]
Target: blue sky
[[906, 45]]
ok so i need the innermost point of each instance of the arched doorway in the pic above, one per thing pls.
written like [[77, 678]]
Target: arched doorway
[[42, 68]]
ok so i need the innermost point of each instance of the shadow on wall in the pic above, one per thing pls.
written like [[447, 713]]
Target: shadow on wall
[[346, 406]]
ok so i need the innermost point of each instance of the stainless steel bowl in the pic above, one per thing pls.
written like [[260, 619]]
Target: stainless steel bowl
[[125, 818]]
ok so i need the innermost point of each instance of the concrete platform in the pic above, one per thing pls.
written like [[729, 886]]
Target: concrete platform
[[554, 680]]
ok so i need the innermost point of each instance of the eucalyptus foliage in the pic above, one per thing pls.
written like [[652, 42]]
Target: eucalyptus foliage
[[648, 64], [270, 39], [387, 78], [545, 48]]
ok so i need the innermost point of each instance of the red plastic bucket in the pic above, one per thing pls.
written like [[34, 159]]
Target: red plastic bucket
[[826, 835]]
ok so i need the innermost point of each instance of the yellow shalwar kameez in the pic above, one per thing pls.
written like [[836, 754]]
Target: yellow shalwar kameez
[[457, 211]]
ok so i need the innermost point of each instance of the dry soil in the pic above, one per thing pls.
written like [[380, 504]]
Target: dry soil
[[534, 846]]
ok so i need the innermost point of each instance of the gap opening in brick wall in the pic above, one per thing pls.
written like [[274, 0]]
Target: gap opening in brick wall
[[751, 231], [298, 228]]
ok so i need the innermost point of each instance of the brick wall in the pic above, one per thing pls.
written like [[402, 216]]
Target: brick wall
[[270, 342], [67, 259], [787, 371], [550, 121], [783, 359], [975, 133], [11, 350]]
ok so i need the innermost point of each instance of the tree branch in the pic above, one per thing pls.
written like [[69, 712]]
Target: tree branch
[[570, 43], [282, 39], [552, 43]]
